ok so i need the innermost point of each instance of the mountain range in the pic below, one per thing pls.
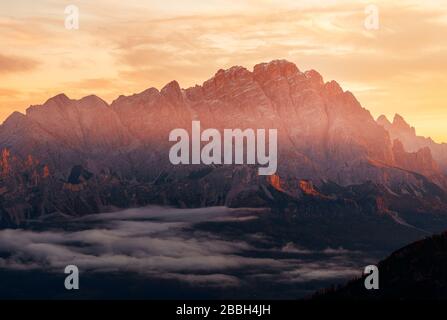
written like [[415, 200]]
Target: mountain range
[[74, 157]]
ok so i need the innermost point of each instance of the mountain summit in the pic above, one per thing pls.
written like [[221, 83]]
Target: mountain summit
[[401, 130], [324, 135]]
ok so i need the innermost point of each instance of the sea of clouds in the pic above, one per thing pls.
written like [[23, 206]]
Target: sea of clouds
[[162, 243]]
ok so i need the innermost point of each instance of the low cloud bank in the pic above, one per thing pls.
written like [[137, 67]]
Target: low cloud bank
[[160, 242]]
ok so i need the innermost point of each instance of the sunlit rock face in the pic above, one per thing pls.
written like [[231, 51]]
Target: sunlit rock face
[[324, 135], [401, 130]]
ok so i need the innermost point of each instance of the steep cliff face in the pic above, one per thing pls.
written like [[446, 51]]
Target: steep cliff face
[[401, 130], [63, 132], [324, 135], [152, 114], [420, 161], [87, 125], [323, 132]]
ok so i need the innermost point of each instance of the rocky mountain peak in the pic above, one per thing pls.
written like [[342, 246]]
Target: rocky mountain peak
[[401, 130], [314, 77], [231, 74], [136, 98], [276, 68], [420, 161], [92, 100], [399, 123], [323, 132], [58, 99], [172, 91], [333, 88], [14, 119], [323, 135], [383, 121]]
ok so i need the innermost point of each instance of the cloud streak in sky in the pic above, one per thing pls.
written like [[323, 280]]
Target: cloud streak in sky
[[9, 64]]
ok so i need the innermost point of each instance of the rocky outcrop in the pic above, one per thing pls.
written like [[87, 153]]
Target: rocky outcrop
[[420, 161], [401, 130]]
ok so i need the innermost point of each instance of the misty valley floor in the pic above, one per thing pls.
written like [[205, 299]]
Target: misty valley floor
[[166, 253]]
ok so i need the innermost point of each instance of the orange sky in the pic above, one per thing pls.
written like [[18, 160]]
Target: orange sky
[[123, 47]]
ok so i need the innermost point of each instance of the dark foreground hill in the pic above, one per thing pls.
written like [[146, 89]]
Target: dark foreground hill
[[417, 271]]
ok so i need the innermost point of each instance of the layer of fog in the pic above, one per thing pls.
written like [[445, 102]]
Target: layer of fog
[[162, 243]]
